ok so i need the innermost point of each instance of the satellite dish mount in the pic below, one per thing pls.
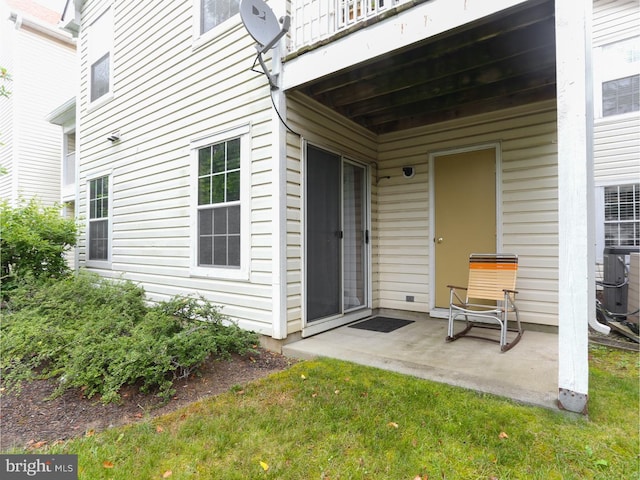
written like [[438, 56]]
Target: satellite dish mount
[[266, 30]]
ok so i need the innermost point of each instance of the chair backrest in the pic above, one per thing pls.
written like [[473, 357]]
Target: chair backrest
[[490, 274]]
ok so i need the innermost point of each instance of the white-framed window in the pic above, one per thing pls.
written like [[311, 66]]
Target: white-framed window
[[622, 215], [99, 219], [221, 211], [617, 78], [100, 51], [213, 13]]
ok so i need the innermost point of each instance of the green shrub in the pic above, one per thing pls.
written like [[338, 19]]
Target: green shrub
[[33, 241], [99, 334]]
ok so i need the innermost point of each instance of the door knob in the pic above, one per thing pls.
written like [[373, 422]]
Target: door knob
[[440, 239]]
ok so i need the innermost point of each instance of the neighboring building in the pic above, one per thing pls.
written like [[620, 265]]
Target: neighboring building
[[416, 132], [616, 41], [41, 60]]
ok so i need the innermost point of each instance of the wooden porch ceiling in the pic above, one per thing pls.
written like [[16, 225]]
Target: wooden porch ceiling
[[503, 61]]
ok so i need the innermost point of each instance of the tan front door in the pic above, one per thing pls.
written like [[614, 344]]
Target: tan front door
[[465, 215]]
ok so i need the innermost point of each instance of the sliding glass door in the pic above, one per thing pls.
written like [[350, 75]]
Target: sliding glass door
[[336, 235]]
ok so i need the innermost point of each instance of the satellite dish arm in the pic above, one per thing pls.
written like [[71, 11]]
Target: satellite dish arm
[[286, 23]]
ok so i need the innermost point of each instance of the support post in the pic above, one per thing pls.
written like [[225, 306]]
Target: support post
[[576, 236], [279, 199]]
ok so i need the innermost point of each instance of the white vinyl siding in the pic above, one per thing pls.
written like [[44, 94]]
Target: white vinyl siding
[[170, 93], [43, 77], [614, 20]]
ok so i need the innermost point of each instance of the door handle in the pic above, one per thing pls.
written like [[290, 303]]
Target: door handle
[[440, 240]]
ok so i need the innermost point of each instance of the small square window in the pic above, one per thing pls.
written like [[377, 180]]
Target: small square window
[[214, 12], [100, 77], [621, 96]]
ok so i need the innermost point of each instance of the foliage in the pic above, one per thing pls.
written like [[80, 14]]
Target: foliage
[[331, 419], [33, 241], [5, 77], [99, 335]]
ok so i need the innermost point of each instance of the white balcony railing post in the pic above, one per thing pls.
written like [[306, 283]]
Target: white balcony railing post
[[315, 20]]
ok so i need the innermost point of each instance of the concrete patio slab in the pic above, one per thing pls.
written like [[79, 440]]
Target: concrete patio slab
[[527, 373]]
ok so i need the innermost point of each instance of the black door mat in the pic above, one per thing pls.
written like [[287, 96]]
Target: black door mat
[[381, 324]]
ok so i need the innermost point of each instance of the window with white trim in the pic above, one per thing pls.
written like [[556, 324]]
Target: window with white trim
[[622, 215], [98, 231], [617, 74], [219, 209], [100, 40], [215, 12], [221, 204]]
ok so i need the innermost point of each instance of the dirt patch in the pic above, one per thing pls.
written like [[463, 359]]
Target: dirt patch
[[29, 419]]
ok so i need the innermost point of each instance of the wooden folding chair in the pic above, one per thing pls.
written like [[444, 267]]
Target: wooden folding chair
[[489, 298]]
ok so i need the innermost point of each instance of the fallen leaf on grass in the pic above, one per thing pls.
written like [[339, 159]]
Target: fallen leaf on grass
[[264, 465], [303, 377], [392, 424], [33, 444], [167, 474], [159, 429], [107, 464], [503, 435]]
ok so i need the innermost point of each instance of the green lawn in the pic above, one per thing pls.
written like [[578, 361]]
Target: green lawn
[[329, 419]]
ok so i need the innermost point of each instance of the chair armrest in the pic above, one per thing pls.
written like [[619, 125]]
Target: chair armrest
[[457, 288]]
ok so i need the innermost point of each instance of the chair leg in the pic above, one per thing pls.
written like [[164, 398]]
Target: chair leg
[[504, 347], [450, 334]]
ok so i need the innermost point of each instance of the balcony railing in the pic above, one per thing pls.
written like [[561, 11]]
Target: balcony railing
[[316, 20]]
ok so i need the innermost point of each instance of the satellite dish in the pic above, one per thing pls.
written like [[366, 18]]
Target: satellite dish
[[259, 20], [264, 27]]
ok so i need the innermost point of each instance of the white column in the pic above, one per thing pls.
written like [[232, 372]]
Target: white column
[[575, 200], [279, 192]]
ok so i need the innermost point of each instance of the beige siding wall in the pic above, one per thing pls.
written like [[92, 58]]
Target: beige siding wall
[[169, 90], [400, 206], [528, 213]]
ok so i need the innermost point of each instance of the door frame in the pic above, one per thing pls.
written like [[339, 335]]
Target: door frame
[[497, 146], [343, 318]]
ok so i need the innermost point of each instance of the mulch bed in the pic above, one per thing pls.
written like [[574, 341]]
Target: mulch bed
[[31, 420]]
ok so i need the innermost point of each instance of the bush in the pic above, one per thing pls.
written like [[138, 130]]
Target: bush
[[33, 241], [99, 335]]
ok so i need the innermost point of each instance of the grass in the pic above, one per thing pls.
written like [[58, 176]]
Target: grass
[[329, 419]]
